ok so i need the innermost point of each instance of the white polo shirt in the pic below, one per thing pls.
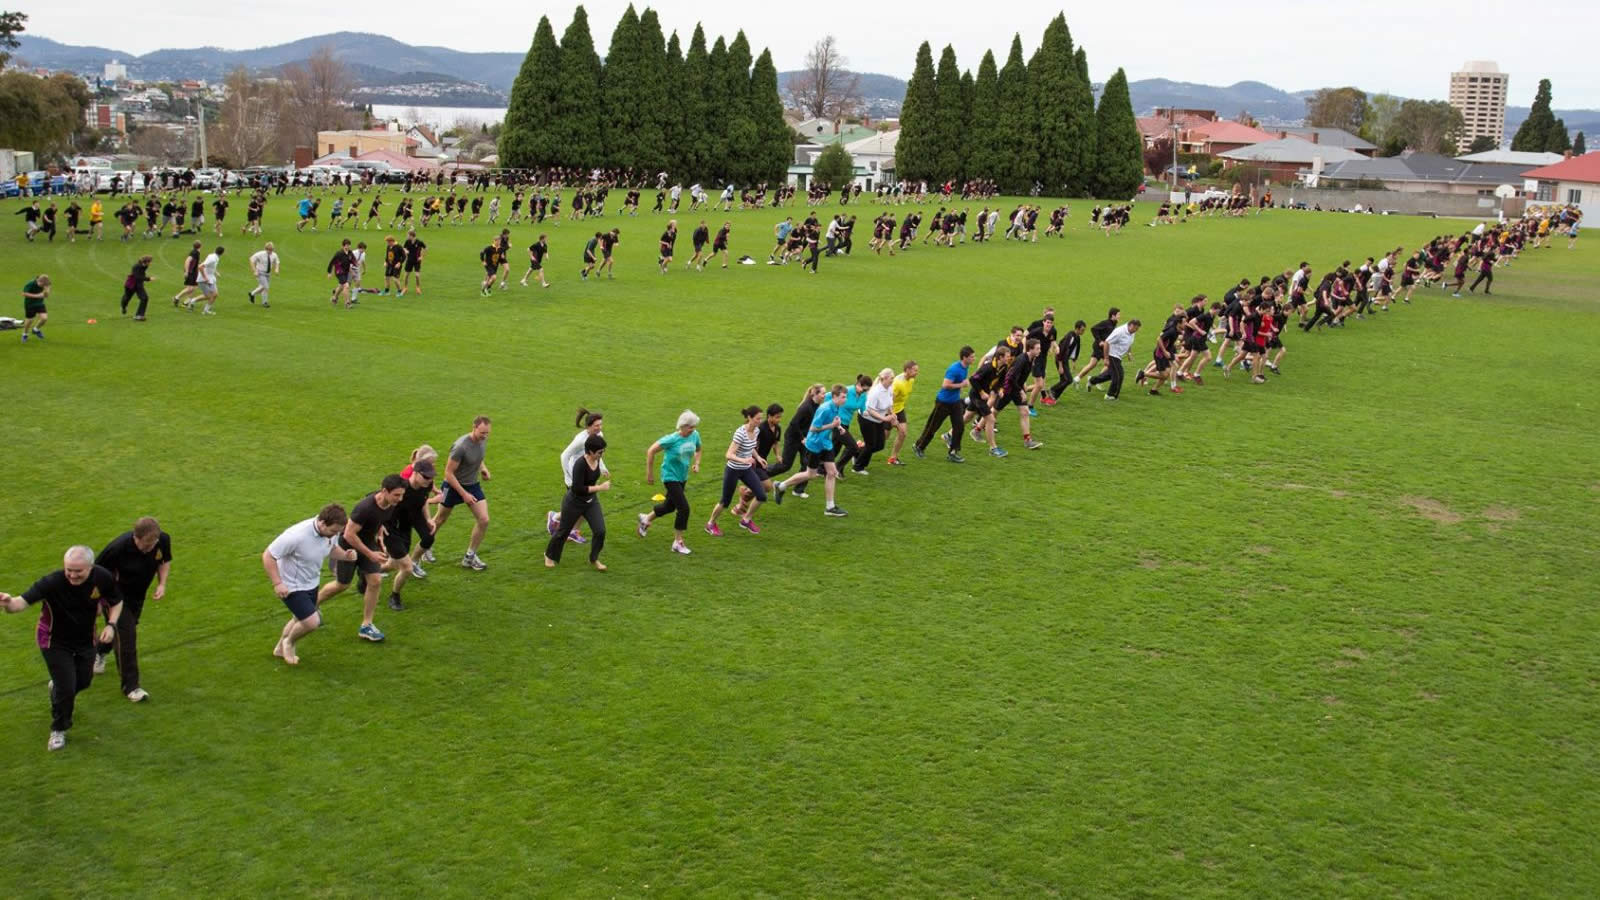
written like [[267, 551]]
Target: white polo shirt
[[1120, 342]]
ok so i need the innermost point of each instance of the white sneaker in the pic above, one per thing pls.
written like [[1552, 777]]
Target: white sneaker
[[417, 571], [99, 663], [679, 547], [58, 739], [427, 556], [138, 695]]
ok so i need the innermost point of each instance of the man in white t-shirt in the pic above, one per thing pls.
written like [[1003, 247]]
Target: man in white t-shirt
[[294, 565], [1118, 347], [206, 281], [264, 263]]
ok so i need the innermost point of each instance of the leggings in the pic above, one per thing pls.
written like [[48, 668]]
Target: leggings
[[792, 441], [572, 510], [874, 433], [675, 501], [730, 482]]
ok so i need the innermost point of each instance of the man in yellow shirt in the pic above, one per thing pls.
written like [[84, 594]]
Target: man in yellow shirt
[[900, 391], [97, 216]]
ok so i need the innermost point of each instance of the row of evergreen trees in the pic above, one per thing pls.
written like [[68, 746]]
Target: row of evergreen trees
[[1023, 124], [701, 114]]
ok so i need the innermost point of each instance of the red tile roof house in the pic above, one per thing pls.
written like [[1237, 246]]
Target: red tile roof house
[[1217, 138], [1571, 182]]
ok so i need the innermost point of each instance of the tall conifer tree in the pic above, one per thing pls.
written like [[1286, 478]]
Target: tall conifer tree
[[1119, 166], [919, 121], [577, 125], [526, 139]]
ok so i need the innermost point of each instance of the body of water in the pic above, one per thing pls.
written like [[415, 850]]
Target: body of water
[[440, 116]]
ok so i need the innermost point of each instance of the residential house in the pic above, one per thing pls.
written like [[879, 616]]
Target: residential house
[[1514, 157], [1217, 138], [1575, 181], [1414, 172], [1333, 137], [1286, 157], [355, 142]]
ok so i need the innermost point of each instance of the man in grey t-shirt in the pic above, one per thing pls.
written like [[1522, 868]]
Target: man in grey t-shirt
[[462, 473]]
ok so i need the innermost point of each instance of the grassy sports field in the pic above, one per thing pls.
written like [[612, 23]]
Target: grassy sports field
[[1329, 636]]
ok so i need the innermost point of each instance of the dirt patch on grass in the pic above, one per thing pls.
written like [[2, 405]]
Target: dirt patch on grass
[[1502, 514], [1261, 550], [1149, 562], [1292, 486], [1338, 495], [1330, 700], [1432, 509]]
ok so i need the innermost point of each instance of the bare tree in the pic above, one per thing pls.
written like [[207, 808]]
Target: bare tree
[[318, 98], [247, 134], [158, 143], [826, 88]]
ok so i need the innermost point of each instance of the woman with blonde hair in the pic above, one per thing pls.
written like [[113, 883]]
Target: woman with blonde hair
[[681, 451]]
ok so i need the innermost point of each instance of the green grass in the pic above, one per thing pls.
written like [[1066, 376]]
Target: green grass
[[1333, 636]]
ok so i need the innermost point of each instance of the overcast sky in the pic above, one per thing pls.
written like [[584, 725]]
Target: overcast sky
[[1401, 46]]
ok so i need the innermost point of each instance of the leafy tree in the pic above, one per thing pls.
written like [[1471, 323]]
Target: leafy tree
[[37, 114], [526, 139], [1427, 125], [1556, 139], [578, 122], [769, 163], [950, 119], [1118, 144], [1534, 133], [656, 109], [1481, 144], [1019, 155], [620, 80], [919, 121], [1158, 156], [11, 25], [697, 144], [1381, 112], [834, 167], [1344, 107], [1578, 147], [982, 139]]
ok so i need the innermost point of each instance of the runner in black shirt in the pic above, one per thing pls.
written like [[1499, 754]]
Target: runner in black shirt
[[72, 596], [1098, 335], [794, 436], [135, 558], [490, 257], [415, 249], [608, 242], [365, 534], [339, 267], [1066, 355], [411, 517], [719, 244], [669, 239], [537, 251], [701, 235], [1044, 331]]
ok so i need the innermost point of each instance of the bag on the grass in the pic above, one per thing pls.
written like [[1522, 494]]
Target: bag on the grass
[[9, 324]]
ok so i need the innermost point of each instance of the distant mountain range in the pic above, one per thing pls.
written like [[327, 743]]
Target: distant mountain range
[[389, 71]]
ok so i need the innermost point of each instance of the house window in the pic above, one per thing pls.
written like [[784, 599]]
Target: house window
[[1574, 196], [1546, 192]]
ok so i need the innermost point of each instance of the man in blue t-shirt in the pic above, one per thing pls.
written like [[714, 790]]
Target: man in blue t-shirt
[[947, 405], [819, 452]]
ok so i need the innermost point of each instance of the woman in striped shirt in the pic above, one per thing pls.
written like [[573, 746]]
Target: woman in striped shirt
[[742, 458]]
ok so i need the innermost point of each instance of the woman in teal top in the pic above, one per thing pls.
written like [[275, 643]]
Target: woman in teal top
[[855, 401], [681, 451]]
